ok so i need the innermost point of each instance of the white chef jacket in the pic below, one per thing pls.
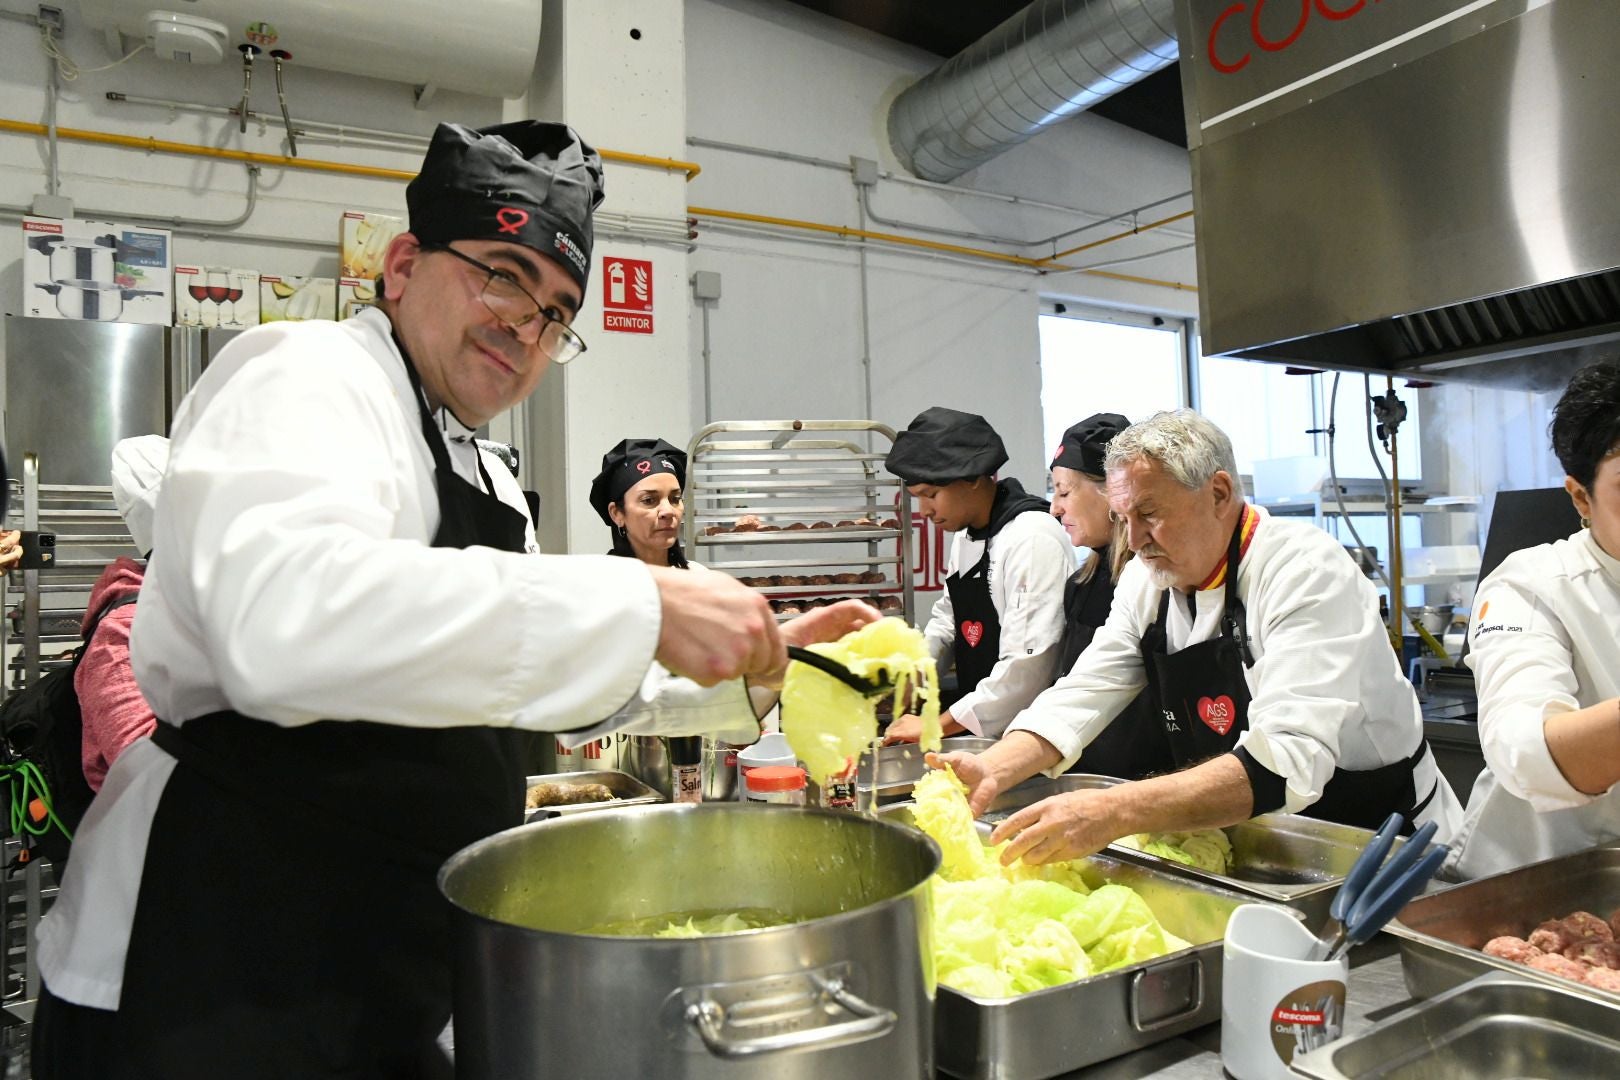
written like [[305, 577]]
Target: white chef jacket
[[1545, 640], [292, 581], [1326, 689], [1030, 560]]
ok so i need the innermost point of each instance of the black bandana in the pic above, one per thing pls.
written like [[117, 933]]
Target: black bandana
[[943, 445], [529, 182], [1085, 444], [629, 463]]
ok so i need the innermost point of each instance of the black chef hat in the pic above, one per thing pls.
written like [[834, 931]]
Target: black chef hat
[[528, 182], [1085, 444], [943, 445], [629, 463]]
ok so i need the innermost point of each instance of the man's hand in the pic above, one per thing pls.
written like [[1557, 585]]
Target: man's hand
[[715, 628], [979, 775], [1068, 826], [817, 625], [10, 549], [904, 729]]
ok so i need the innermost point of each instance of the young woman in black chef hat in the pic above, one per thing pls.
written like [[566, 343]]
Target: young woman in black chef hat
[[1133, 746]]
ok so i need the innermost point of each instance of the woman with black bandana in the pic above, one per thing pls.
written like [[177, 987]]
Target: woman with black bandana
[[1133, 746]]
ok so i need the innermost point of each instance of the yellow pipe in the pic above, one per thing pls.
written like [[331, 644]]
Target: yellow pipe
[[1124, 235], [161, 146], [691, 169]]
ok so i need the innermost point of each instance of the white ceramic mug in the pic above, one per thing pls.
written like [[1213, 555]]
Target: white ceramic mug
[[1275, 1002]]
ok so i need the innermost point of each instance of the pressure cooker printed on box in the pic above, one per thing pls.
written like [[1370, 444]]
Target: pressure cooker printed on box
[[97, 270]]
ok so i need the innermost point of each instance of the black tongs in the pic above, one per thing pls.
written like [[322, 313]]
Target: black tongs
[[858, 683]]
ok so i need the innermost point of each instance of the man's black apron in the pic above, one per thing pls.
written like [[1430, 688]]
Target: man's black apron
[[1134, 744], [1203, 702], [978, 623], [288, 923]]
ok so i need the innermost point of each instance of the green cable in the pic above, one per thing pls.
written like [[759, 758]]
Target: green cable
[[32, 782]]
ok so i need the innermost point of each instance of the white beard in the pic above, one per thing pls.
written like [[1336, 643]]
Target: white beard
[[1162, 579]]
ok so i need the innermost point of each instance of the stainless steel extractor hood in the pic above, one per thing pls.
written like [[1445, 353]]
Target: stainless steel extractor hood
[[1421, 186]]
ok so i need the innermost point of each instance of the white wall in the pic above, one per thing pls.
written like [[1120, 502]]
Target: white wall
[[786, 336]]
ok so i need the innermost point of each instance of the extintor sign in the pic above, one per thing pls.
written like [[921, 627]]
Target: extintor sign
[[627, 295]]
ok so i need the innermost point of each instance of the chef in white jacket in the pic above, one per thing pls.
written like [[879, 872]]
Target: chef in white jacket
[[1545, 649], [1259, 639], [343, 634], [1001, 619]]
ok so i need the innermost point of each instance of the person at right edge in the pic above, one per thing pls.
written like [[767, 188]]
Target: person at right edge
[[1545, 649], [1260, 641], [1001, 617], [343, 637]]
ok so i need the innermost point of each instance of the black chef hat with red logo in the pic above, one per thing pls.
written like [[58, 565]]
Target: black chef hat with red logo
[[628, 464], [943, 445], [529, 182], [1085, 444]]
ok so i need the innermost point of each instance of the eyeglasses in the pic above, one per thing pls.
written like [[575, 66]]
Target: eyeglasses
[[517, 308]]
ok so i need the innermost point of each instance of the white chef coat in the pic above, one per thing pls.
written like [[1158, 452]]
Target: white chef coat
[[1545, 640], [1030, 560], [1326, 688], [292, 581]]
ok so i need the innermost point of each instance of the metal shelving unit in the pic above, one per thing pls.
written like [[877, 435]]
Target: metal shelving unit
[[43, 612], [814, 502]]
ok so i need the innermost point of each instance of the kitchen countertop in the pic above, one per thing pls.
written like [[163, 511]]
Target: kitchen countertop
[[1376, 989]]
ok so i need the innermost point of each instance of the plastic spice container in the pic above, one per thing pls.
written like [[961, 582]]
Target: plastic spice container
[[775, 784]]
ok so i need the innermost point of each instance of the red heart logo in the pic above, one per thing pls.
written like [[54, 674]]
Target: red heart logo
[[973, 631], [1219, 713]]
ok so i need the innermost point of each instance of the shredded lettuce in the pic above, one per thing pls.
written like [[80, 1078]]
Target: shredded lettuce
[[1207, 849], [1000, 931], [828, 723]]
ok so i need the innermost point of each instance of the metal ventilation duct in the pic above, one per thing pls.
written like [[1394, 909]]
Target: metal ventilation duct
[[1046, 63]]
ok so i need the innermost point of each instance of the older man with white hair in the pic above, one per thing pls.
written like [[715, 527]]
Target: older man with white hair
[[1261, 645]]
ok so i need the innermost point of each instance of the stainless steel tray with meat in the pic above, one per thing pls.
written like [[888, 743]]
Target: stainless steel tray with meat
[[1493, 1027], [1443, 936], [891, 772], [1284, 858], [1053, 1031], [554, 794]]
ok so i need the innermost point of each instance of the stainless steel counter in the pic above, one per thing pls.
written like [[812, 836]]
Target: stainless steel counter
[[1376, 990]]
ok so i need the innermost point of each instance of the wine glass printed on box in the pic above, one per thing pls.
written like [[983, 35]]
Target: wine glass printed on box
[[219, 289], [197, 290]]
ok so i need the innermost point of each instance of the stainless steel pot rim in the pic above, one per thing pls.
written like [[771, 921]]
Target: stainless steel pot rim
[[90, 285], [594, 820]]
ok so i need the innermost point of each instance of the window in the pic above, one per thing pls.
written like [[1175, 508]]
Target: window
[[1266, 412], [1093, 365]]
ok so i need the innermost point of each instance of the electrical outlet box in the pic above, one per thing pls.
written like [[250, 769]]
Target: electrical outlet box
[[50, 19], [864, 170], [706, 285]]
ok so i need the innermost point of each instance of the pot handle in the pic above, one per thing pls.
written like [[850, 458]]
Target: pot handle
[[707, 1018], [1133, 1002]]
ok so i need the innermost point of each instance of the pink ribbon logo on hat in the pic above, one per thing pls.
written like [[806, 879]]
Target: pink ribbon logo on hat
[[643, 467], [511, 218]]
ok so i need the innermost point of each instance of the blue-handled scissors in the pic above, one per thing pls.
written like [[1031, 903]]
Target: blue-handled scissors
[[1374, 891]]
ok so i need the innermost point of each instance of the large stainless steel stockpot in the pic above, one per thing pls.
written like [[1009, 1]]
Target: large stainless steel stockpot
[[79, 260], [846, 991]]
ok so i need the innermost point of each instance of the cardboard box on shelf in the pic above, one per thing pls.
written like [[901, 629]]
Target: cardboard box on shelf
[[98, 270], [355, 294], [363, 240], [286, 298], [216, 296]]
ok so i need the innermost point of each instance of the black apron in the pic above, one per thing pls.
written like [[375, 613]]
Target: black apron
[[288, 922], [1133, 745], [1203, 702], [978, 623]]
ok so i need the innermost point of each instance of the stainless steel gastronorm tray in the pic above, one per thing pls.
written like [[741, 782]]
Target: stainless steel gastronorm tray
[[1494, 1027], [1062, 1028], [627, 791], [899, 767], [1284, 858], [1441, 934]]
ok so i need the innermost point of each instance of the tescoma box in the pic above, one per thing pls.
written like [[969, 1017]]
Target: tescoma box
[[216, 296], [81, 269], [355, 295], [286, 298], [363, 240]]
